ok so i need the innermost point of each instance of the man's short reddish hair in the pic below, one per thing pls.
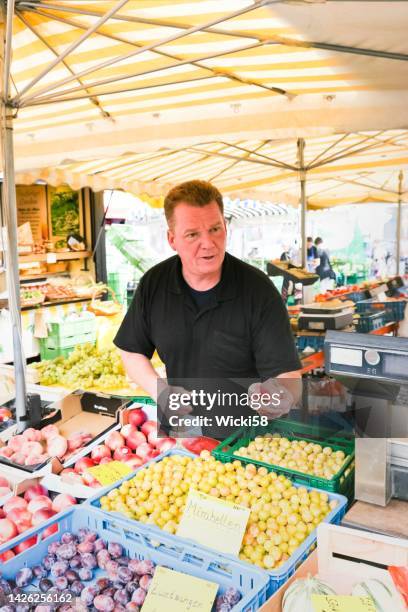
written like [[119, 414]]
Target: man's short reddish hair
[[194, 193]]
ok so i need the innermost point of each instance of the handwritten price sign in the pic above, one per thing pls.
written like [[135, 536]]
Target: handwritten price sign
[[109, 473], [342, 603], [213, 522], [176, 592]]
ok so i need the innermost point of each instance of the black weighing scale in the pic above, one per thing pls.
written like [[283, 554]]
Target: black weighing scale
[[374, 369], [319, 317]]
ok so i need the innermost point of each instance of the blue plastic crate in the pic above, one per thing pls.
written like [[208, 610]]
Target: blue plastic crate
[[394, 310], [370, 321], [314, 342], [354, 296], [142, 543], [276, 577]]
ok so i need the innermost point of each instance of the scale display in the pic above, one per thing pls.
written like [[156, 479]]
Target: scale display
[[369, 356]]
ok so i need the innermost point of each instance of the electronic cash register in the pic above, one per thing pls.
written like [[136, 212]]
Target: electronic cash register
[[374, 370]]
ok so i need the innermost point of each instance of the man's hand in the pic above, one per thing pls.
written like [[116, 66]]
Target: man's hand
[[275, 397], [173, 401]]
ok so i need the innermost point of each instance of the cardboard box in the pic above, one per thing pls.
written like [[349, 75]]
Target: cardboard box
[[346, 556], [19, 482], [79, 411], [54, 482]]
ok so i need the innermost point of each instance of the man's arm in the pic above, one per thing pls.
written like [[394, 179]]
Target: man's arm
[[140, 370]]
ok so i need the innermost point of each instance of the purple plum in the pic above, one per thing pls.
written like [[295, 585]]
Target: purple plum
[[85, 574], [67, 551], [121, 597], [45, 585], [39, 571], [103, 583], [71, 576], [24, 577], [67, 538], [132, 586], [89, 561], [104, 603], [49, 561], [123, 561], [88, 594], [115, 550], [99, 545], [102, 558], [125, 575], [77, 587], [145, 581], [139, 596], [53, 547], [61, 583], [232, 596], [59, 568]]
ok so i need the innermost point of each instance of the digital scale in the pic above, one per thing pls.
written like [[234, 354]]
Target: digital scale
[[319, 317], [374, 369]]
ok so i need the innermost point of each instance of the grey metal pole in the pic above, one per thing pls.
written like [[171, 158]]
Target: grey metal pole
[[10, 219], [303, 202], [399, 215]]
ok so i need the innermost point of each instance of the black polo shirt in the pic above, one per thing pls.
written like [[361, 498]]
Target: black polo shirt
[[243, 332]]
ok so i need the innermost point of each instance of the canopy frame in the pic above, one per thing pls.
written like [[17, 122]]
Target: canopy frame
[[10, 218]]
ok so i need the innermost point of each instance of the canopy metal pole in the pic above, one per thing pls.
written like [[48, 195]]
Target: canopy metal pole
[[10, 218], [303, 203], [399, 213]]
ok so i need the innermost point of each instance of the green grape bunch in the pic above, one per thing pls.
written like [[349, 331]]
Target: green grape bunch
[[85, 368]]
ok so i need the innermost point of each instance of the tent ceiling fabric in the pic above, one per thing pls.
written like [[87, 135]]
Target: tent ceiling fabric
[[340, 169], [106, 78]]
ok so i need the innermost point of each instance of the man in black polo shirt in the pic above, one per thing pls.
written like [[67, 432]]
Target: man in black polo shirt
[[208, 314]]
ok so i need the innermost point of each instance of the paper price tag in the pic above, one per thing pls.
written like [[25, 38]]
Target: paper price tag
[[176, 592], [215, 523], [51, 258], [342, 603], [109, 473]]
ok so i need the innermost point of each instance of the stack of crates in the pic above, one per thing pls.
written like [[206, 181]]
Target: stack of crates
[[394, 309], [64, 336]]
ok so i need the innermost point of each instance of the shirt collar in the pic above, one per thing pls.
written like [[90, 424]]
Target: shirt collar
[[227, 288]]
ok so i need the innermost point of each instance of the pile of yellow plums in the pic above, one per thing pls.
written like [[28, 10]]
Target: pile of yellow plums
[[281, 517], [300, 455]]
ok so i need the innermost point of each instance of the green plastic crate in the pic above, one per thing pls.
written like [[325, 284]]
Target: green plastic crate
[[75, 327], [143, 399], [51, 353], [70, 341], [339, 483]]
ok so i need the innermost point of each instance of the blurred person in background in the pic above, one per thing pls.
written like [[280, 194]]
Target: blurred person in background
[[325, 271]]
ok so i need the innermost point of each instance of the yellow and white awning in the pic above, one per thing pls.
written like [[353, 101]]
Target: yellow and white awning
[[340, 169], [100, 79]]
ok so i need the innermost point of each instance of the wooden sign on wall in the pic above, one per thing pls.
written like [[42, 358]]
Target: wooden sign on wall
[[32, 208]]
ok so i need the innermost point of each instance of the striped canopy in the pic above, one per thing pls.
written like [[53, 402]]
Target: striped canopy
[[100, 79], [362, 167]]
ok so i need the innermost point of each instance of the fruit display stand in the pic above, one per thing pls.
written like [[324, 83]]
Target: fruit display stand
[[278, 576], [244, 583], [340, 482], [345, 557], [97, 370]]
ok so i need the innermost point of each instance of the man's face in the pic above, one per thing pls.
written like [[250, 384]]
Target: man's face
[[199, 236]]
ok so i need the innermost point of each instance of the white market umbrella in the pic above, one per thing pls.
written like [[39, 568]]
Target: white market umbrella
[[84, 78]]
